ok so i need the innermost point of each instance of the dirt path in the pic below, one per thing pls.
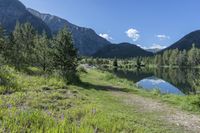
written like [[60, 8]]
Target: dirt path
[[190, 122]]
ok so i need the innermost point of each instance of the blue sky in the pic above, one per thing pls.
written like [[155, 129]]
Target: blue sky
[[148, 23]]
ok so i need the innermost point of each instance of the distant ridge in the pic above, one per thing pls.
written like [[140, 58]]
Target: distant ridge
[[122, 50], [186, 42], [12, 11], [85, 39]]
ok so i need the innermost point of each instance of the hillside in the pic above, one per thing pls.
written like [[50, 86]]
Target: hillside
[[12, 11], [187, 41], [122, 50], [85, 39]]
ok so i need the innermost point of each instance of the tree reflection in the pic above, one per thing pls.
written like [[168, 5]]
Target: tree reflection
[[187, 80]]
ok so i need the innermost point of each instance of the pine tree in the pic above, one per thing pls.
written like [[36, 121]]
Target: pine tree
[[166, 58], [43, 51], [2, 39], [138, 62], [182, 58], [173, 57], [2, 44], [115, 63], [28, 36], [193, 56], [65, 55], [158, 60], [16, 46], [22, 45]]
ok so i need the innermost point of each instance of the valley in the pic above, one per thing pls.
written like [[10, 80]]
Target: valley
[[57, 77], [47, 104]]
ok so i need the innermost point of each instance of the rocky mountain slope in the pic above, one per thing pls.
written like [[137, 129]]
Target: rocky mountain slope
[[12, 11], [85, 39]]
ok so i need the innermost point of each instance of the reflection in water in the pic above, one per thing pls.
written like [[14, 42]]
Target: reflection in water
[[152, 83], [186, 80]]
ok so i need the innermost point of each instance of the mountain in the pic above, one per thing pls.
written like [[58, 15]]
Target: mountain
[[186, 42], [85, 39], [122, 50], [12, 11]]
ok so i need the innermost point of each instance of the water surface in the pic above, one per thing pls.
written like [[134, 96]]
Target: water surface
[[154, 83], [172, 81]]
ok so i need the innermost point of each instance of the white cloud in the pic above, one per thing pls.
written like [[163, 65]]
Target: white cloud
[[154, 81], [106, 36], [162, 37], [154, 46], [143, 47], [157, 46], [133, 34]]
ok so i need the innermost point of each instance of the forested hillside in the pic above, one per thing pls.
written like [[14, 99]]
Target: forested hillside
[[123, 50]]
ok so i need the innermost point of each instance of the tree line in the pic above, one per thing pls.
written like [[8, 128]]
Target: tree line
[[175, 57], [169, 58], [25, 47]]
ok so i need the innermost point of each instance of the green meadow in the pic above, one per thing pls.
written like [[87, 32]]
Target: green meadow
[[33, 101]]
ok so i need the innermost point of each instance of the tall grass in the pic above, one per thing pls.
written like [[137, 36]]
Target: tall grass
[[41, 102]]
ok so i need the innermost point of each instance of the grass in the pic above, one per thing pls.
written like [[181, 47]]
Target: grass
[[36, 102], [189, 103]]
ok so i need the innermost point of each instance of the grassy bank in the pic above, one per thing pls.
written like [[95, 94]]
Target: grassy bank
[[188, 103], [32, 101]]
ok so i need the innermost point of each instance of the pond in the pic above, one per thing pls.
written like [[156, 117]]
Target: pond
[[152, 83], [166, 80]]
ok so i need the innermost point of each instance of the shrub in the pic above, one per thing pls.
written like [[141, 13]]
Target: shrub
[[8, 83]]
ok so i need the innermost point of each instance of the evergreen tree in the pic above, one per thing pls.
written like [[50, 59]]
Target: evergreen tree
[[193, 56], [22, 46], [28, 36], [43, 51], [115, 63], [2, 39], [166, 56], [138, 62], [2, 45], [16, 46], [65, 55], [182, 58], [173, 57], [198, 57], [158, 60]]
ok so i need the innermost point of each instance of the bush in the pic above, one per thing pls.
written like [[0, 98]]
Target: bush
[[8, 82], [71, 78], [82, 69]]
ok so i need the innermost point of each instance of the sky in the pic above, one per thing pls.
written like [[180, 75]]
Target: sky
[[146, 23]]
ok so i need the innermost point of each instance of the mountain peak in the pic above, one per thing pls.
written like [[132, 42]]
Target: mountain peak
[[85, 39], [43, 16], [12, 11]]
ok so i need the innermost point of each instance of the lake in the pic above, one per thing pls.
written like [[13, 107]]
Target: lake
[[166, 80]]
